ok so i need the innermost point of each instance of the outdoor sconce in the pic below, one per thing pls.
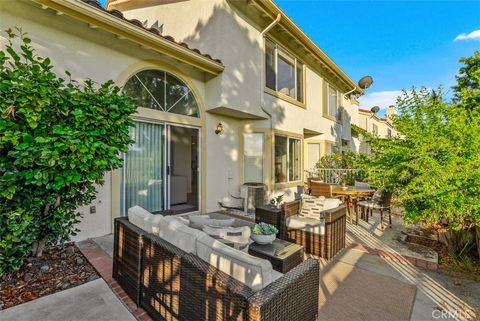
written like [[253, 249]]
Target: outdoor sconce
[[219, 129]]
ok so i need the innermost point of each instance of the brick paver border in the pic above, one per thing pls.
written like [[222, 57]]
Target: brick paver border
[[103, 263], [395, 257]]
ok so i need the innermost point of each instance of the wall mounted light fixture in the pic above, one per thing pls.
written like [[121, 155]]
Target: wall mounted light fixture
[[219, 129]]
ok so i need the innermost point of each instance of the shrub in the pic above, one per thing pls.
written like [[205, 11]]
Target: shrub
[[434, 166], [58, 139]]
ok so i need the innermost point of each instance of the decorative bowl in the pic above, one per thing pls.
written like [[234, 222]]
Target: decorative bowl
[[263, 239]]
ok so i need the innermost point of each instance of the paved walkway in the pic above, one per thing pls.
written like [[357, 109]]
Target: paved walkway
[[99, 253], [90, 301]]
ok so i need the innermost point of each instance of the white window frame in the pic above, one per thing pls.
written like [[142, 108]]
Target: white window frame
[[288, 158], [337, 109], [295, 67]]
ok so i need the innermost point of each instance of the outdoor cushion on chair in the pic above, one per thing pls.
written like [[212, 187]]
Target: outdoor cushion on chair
[[199, 221], [330, 203], [237, 237], [180, 235], [315, 226], [152, 223], [254, 272], [311, 206], [138, 216]]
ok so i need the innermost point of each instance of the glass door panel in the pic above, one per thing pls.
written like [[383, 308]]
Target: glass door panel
[[183, 164], [143, 178]]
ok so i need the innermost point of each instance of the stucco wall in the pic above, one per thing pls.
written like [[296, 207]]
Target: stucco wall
[[215, 27], [218, 28], [86, 53]]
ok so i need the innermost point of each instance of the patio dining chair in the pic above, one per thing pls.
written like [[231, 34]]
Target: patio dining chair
[[381, 201]]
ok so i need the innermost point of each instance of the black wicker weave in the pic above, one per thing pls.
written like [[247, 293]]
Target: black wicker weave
[[325, 246], [179, 286]]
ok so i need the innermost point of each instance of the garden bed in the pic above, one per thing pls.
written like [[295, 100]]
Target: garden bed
[[59, 268], [448, 264]]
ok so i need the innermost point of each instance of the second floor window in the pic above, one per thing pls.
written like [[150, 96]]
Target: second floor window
[[334, 109], [375, 129], [283, 72]]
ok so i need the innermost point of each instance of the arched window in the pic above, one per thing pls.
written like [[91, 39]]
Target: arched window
[[162, 91]]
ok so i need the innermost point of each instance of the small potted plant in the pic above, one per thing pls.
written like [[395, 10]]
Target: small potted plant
[[277, 201], [263, 233]]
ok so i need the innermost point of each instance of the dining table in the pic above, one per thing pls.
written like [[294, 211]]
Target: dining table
[[352, 194]]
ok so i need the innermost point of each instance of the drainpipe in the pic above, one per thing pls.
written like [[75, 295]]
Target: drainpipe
[[349, 92], [262, 77], [262, 59]]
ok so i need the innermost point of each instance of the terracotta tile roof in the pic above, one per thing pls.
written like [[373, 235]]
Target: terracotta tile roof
[[118, 14]]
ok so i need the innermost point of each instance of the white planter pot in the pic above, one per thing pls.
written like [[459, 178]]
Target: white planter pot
[[263, 239]]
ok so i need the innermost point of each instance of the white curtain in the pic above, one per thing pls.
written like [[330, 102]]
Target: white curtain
[[144, 168]]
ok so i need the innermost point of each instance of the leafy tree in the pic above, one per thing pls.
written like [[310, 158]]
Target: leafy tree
[[434, 166], [57, 140]]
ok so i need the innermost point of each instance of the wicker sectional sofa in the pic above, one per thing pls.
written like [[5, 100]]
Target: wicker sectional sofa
[[173, 284]]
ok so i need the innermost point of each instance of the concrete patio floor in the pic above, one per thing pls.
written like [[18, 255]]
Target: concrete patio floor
[[438, 296], [90, 301]]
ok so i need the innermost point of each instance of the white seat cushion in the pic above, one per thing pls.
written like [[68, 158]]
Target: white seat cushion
[[306, 224], [254, 272], [330, 203], [311, 206], [238, 237], [175, 232], [138, 216], [199, 221]]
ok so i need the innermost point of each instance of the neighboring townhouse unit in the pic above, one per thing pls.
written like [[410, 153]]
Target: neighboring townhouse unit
[[265, 108], [379, 126]]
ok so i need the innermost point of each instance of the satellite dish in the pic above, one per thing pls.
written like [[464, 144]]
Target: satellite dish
[[375, 109], [365, 82]]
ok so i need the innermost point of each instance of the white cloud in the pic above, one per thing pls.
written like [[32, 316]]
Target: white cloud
[[383, 99], [474, 35]]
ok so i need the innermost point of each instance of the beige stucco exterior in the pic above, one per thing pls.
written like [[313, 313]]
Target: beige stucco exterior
[[231, 94], [380, 126]]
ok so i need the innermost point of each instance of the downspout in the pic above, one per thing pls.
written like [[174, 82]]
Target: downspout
[[262, 59], [262, 81], [349, 92]]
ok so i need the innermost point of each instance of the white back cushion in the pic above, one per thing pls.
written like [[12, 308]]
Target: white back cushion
[[138, 216], [198, 221], [152, 224], [330, 203], [254, 272], [180, 235], [311, 206]]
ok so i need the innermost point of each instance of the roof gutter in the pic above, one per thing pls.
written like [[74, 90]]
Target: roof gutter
[[270, 8], [126, 30]]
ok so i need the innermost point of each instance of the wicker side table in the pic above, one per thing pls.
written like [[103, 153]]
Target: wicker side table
[[283, 255], [269, 214]]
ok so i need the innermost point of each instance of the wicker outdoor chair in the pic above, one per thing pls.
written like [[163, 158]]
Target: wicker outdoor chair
[[381, 201], [326, 245], [175, 285]]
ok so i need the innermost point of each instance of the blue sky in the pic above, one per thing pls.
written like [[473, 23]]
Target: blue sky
[[400, 43]]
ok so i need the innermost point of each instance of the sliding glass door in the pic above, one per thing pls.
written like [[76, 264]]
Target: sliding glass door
[[161, 168], [144, 168]]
